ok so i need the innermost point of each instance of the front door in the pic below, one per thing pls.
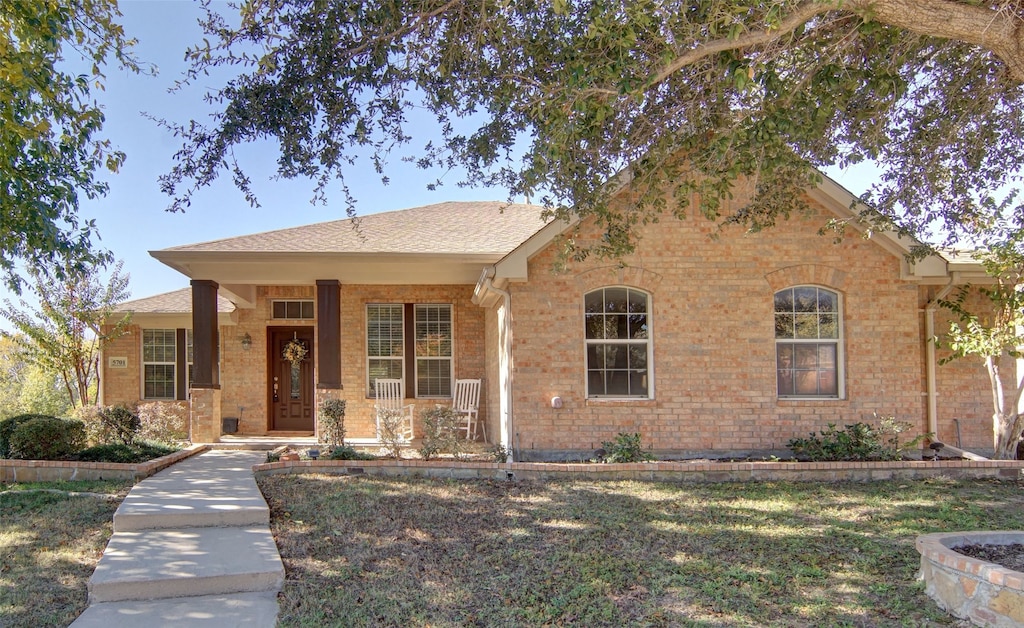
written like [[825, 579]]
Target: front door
[[290, 389]]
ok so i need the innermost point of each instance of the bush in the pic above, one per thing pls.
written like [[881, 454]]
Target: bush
[[857, 442], [7, 427], [121, 424], [440, 433], [391, 427], [625, 448], [346, 452], [47, 438], [163, 422], [119, 452], [332, 422]]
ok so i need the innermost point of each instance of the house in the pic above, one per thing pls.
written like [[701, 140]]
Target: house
[[731, 344]]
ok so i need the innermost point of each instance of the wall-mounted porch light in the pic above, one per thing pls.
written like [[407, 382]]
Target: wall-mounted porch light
[[246, 342]]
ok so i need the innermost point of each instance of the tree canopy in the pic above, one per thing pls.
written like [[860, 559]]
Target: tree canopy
[[50, 152], [74, 321], [550, 99]]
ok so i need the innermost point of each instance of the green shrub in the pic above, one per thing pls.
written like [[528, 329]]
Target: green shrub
[[625, 448], [347, 452], [7, 427], [440, 433], [163, 422], [856, 442], [120, 423], [331, 419], [498, 453], [47, 438], [119, 452]]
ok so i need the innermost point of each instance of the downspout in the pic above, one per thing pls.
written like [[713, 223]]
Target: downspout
[[505, 348], [929, 348]]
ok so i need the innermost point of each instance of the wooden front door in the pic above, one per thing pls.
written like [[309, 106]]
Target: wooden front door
[[290, 387]]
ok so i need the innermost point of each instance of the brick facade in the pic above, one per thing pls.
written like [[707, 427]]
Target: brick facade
[[243, 372], [713, 350], [713, 355]]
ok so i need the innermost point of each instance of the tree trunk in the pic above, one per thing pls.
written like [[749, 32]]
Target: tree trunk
[[1006, 430]]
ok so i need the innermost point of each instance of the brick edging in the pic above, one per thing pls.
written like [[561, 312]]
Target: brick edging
[[662, 471], [53, 470]]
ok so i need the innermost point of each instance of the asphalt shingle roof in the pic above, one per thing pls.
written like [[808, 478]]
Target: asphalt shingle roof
[[476, 227], [179, 301]]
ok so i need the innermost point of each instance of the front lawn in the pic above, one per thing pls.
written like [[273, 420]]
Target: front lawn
[[367, 551], [50, 541]]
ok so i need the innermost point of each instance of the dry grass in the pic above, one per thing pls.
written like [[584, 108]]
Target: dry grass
[[364, 551], [49, 544]]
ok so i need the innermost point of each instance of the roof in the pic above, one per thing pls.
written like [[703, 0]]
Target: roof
[[177, 302], [475, 227], [444, 243]]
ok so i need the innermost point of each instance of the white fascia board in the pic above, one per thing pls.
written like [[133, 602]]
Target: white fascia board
[[514, 266]]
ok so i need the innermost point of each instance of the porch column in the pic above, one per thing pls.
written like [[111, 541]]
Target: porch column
[[328, 340], [328, 334], [205, 408]]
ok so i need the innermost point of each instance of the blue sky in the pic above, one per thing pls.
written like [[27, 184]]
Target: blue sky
[[132, 219]]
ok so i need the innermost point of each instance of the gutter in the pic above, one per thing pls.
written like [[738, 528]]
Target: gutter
[[929, 348], [484, 286]]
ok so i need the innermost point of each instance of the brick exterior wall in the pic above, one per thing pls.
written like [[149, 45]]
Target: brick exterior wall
[[713, 352], [964, 391], [243, 373]]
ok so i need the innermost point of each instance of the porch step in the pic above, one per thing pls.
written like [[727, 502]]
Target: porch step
[[256, 610], [200, 492], [158, 564]]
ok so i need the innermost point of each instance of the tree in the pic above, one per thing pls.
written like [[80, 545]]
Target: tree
[[992, 329], [71, 326], [50, 152], [550, 100], [25, 388]]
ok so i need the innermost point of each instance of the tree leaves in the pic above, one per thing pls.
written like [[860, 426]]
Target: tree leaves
[[49, 152], [550, 100]]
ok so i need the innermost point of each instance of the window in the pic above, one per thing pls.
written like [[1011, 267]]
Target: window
[[159, 360], [413, 343], [293, 309], [618, 343], [808, 351], [167, 356], [385, 347], [433, 351]]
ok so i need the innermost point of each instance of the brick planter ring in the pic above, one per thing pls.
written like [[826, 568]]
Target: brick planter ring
[[982, 592]]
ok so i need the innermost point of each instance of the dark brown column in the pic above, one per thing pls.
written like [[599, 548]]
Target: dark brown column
[[206, 351], [328, 333]]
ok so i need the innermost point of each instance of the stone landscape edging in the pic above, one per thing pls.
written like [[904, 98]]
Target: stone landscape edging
[[55, 470], [661, 471], [970, 588]]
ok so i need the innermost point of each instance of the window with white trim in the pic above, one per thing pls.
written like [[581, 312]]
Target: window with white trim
[[159, 363], [618, 343], [808, 343], [385, 343], [433, 350]]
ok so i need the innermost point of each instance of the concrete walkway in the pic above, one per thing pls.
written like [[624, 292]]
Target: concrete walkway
[[191, 547]]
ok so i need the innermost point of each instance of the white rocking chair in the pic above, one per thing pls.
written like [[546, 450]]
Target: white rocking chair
[[390, 409], [466, 403]]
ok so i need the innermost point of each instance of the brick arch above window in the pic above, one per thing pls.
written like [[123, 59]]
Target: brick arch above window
[[807, 274], [615, 275]]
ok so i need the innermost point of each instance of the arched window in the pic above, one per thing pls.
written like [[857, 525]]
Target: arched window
[[808, 343], [618, 343]]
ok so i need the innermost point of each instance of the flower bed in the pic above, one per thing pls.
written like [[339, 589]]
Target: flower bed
[[54, 470], [985, 593]]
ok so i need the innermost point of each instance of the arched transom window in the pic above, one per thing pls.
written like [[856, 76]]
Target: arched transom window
[[618, 343], [808, 342]]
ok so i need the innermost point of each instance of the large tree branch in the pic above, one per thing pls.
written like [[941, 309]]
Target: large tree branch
[[997, 31]]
